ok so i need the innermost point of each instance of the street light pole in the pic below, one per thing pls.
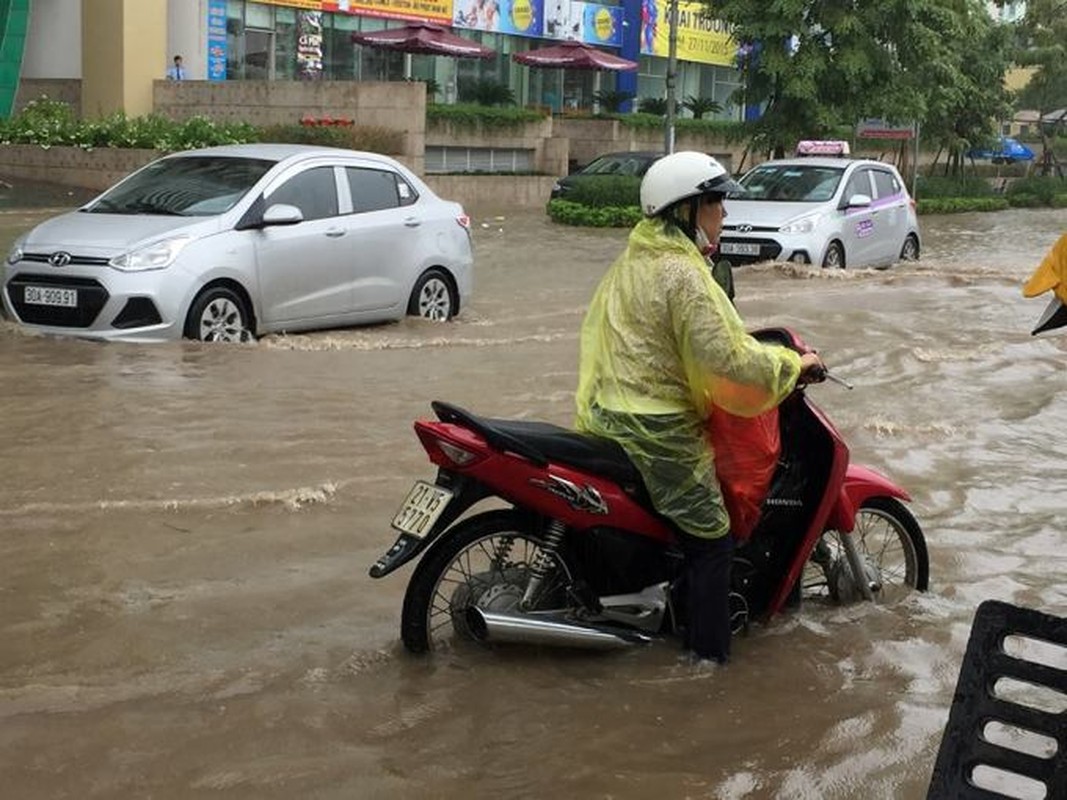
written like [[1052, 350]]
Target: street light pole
[[672, 72]]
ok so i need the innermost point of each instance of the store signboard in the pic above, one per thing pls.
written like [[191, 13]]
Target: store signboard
[[579, 20], [702, 38], [427, 10], [216, 40]]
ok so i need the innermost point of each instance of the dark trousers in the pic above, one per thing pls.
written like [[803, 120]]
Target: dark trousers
[[707, 594]]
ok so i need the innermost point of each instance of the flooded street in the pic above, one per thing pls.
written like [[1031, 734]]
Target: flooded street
[[185, 533]]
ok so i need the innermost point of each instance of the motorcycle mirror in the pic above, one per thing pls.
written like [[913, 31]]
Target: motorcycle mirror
[[839, 381]]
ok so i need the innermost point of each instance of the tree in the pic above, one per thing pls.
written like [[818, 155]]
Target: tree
[[699, 106], [816, 65], [1043, 46]]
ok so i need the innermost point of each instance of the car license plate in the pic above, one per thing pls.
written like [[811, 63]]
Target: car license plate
[[50, 296], [421, 508], [739, 249]]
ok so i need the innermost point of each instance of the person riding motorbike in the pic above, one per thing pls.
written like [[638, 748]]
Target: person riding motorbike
[[661, 343], [1051, 275]]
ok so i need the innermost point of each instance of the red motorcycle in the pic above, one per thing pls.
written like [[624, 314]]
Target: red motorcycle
[[580, 557]]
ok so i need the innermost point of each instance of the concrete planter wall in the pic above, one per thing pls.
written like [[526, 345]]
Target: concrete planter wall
[[590, 138], [71, 166], [100, 168], [399, 106], [549, 154]]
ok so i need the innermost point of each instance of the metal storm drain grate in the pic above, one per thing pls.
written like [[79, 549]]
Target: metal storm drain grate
[[1007, 731]]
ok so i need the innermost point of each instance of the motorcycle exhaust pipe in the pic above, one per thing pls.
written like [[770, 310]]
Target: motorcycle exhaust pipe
[[492, 626]]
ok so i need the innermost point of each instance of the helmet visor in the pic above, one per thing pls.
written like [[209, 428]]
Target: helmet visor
[[721, 184]]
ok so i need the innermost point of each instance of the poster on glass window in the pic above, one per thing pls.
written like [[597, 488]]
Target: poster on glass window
[[309, 45], [519, 17]]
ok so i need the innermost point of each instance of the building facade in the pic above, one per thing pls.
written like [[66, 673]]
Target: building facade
[[118, 47]]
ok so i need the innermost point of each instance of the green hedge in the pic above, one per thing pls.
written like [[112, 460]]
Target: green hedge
[[599, 191], [1044, 188], [955, 205], [568, 213], [933, 186], [470, 115], [51, 123]]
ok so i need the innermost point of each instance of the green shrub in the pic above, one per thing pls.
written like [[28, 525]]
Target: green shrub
[[1042, 187], [600, 191], [956, 205], [934, 186], [656, 106], [610, 101], [43, 121], [468, 115], [485, 93], [1059, 201], [699, 106], [567, 213], [371, 138], [1025, 200]]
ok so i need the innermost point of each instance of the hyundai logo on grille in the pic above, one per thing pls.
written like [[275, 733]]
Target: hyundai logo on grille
[[59, 259], [740, 229]]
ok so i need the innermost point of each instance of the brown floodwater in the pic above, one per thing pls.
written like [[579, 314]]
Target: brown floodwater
[[185, 534]]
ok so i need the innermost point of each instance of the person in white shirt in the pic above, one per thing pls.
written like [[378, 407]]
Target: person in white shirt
[[177, 72]]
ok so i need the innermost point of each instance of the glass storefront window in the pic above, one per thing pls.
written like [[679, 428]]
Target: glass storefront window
[[285, 44]]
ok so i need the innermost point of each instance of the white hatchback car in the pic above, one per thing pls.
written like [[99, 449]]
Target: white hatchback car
[[835, 212], [226, 243]]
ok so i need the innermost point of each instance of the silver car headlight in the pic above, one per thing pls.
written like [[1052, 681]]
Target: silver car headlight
[[15, 256], [803, 225], [157, 255]]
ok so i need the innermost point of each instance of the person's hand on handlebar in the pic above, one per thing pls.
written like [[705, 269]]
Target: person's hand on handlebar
[[812, 369]]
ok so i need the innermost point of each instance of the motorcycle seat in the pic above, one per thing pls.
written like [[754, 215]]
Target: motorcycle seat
[[543, 442]]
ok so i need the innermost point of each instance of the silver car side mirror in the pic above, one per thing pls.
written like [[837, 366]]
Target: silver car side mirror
[[282, 214], [859, 201]]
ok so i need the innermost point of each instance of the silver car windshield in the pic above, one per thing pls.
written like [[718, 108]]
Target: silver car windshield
[[187, 186], [793, 183]]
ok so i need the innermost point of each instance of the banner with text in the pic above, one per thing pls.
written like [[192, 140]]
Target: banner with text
[[701, 37], [582, 21], [425, 10]]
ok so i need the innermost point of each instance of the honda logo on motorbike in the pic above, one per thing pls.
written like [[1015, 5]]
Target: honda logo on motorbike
[[60, 259], [585, 498]]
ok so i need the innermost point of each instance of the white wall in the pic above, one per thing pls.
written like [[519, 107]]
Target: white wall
[[187, 36], [54, 40]]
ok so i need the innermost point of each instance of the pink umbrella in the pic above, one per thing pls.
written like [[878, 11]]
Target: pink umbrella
[[424, 38], [574, 55]]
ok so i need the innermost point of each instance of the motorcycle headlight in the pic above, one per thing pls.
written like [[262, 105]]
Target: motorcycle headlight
[[157, 255], [15, 255], [803, 225]]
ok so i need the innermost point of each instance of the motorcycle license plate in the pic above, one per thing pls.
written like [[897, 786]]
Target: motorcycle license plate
[[421, 508]]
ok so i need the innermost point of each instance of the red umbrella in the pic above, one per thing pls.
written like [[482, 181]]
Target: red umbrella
[[424, 38], [574, 55]]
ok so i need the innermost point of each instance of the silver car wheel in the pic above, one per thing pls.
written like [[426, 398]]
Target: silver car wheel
[[835, 257], [435, 300], [222, 321]]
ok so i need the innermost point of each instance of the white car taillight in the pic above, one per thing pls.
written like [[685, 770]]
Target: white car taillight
[[457, 455]]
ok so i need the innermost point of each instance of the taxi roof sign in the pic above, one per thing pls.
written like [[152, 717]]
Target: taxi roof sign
[[822, 147]]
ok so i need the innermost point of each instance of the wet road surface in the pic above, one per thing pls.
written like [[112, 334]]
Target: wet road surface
[[185, 533]]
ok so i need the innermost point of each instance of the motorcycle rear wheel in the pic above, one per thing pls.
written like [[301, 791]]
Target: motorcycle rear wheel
[[484, 561], [890, 542]]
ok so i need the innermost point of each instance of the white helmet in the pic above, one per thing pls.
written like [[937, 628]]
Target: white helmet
[[680, 175]]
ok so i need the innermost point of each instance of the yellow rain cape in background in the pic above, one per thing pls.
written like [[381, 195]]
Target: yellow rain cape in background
[[660, 344], [1051, 273]]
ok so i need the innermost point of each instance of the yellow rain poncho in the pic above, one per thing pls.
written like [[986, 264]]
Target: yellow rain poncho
[[659, 345], [1051, 273]]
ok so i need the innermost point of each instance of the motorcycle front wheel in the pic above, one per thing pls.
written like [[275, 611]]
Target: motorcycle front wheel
[[484, 561], [891, 546]]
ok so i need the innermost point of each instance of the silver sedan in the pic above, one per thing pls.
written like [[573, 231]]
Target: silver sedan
[[228, 243]]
